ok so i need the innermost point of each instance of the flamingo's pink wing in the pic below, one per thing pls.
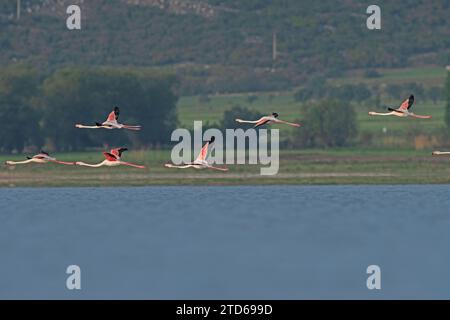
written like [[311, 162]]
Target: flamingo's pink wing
[[109, 156], [111, 116], [404, 105], [115, 152], [203, 153]]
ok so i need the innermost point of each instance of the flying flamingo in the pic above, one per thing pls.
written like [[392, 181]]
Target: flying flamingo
[[402, 111], [112, 160], [200, 162], [273, 118], [42, 157], [110, 123]]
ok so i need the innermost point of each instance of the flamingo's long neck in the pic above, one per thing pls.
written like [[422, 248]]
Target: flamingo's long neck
[[246, 121], [81, 126], [91, 165], [20, 162], [380, 114]]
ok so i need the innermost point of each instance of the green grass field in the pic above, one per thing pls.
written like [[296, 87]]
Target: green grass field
[[344, 166]]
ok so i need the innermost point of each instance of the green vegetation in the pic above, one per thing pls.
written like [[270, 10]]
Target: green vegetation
[[37, 110], [226, 45], [400, 155], [330, 123], [338, 166], [447, 114], [378, 132], [19, 117]]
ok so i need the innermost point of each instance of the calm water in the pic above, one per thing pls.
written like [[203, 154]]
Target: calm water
[[226, 242]]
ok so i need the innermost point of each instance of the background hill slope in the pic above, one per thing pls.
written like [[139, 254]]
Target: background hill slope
[[221, 45]]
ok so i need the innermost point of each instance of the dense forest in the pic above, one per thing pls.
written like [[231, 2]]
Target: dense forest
[[226, 46], [38, 110]]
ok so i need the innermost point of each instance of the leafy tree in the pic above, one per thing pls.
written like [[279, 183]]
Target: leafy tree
[[230, 116], [19, 116], [435, 94], [330, 123], [76, 95]]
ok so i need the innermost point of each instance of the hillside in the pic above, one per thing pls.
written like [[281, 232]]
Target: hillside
[[219, 45]]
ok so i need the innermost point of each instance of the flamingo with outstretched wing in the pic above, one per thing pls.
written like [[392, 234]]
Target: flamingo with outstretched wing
[[113, 159], [273, 118], [402, 111], [42, 157], [110, 123], [201, 161]]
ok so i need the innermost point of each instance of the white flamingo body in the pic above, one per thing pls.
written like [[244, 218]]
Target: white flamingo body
[[40, 158], [392, 113], [200, 162], [402, 111], [271, 119], [402, 114], [112, 160], [110, 123]]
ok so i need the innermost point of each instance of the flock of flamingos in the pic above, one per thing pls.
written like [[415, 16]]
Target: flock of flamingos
[[113, 157]]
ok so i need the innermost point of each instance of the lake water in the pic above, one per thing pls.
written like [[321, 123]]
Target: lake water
[[275, 242]]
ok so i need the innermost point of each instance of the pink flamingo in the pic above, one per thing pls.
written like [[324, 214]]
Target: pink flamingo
[[42, 157], [402, 111], [200, 162], [273, 118], [112, 160], [110, 123]]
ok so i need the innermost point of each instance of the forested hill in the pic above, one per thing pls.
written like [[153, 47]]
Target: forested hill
[[226, 45]]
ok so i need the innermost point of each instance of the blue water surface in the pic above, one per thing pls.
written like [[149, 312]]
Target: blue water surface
[[268, 242]]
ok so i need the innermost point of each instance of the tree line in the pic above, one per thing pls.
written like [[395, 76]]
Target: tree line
[[39, 110]]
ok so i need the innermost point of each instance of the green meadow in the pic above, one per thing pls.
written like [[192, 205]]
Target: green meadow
[[296, 167]]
